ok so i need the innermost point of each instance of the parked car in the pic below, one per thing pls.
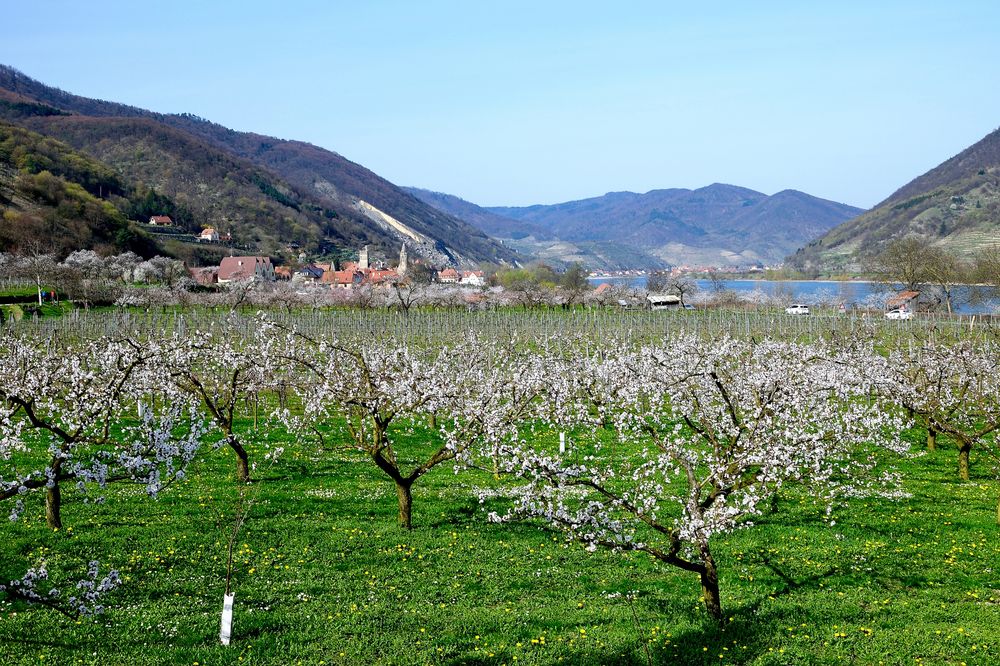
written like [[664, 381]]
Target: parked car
[[797, 309], [899, 314]]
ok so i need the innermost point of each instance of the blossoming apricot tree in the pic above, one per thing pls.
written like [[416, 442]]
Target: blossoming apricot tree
[[706, 433], [952, 389], [379, 389], [66, 416]]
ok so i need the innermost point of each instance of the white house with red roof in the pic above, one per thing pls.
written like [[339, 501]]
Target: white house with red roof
[[209, 235], [473, 278], [161, 221]]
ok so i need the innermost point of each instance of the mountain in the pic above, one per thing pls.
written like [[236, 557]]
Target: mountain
[[532, 240], [495, 225], [269, 193], [956, 205], [716, 225]]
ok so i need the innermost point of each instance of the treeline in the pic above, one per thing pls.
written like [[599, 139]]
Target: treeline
[[33, 153], [63, 216], [543, 276]]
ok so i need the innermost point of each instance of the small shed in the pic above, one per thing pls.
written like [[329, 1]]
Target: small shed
[[663, 301]]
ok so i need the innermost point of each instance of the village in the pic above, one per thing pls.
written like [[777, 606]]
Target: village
[[349, 275]]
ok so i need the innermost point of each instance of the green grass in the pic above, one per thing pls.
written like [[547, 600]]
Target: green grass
[[21, 291], [324, 575]]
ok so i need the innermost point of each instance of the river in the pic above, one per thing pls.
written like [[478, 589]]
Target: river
[[966, 300]]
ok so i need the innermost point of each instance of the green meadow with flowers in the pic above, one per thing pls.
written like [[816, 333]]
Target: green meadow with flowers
[[323, 575]]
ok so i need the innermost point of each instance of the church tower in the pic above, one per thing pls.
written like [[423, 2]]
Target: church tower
[[363, 258], [403, 261]]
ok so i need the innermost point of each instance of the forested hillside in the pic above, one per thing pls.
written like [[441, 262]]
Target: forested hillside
[[269, 193], [54, 199], [956, 206]]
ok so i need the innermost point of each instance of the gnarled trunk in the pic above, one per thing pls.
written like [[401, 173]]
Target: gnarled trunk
[[242, 459], [405, 496], [53, 506], [931, 439], [963, 460], [53, 496], [710, 585]]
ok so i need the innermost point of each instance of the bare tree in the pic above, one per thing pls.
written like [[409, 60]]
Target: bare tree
[[656, 281], [946, 271], [682, 286], [406, 293], [903, 262]]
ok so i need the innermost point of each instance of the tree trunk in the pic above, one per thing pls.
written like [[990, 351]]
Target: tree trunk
[[53, 506], [403, 492], [931, 439], [242, 459], [963, 460], [710, 585]]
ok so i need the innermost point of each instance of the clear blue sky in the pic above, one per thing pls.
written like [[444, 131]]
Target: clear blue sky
[[514, 103]]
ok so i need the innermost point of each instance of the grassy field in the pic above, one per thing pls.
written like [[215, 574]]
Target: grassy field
[[325, 577]]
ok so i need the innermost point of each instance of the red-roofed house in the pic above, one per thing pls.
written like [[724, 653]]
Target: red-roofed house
[[161, 221], [343, 279], [233, 269], [473, 278], [209, 234], [902, 300], [282, 273], [376, 276], [448, 275]]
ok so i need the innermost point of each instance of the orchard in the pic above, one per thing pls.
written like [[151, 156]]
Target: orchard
[[259, 494]]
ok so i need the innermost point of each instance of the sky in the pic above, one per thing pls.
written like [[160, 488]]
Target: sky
[[519, 103]]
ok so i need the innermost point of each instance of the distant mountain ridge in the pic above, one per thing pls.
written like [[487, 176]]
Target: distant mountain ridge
[[714, 225], [270, 192], [955, 205]]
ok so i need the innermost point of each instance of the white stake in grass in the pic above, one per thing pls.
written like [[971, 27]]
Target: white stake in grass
[[562, 443], [227, 618]]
